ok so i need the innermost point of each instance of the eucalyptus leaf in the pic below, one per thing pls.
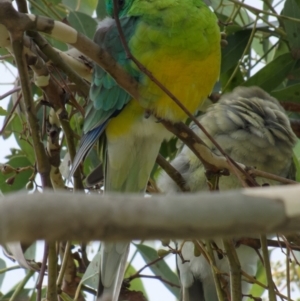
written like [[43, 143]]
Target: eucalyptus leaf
[[101, 10], [232, 53], [270, 76], [292, 28], [256, 290], [83, 23], [86, 6], [2, 275], [290, 93], [160, 269], [3, 112], [91, 275], [24, 142]]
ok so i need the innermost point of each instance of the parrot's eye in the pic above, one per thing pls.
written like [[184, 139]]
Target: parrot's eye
[[121, 3]]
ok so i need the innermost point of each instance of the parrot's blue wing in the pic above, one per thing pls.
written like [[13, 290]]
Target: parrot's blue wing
[[106, 95], [106, 98]]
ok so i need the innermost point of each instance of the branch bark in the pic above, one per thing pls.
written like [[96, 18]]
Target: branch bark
[[126, 217], [43, 165]]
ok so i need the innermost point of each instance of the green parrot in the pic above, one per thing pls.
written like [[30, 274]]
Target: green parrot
[[178, 41], [253, 129]]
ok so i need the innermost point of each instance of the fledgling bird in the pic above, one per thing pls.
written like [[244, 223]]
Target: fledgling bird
[[253, 129], [179, 42]]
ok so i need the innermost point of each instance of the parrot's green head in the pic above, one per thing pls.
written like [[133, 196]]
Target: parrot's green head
[[154, 9], [124, 6]]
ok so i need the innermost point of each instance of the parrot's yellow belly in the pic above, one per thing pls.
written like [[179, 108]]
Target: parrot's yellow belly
[[190, 80]]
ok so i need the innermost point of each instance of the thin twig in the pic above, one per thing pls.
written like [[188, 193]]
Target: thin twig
[[14, 90], [40, 279], [6, 56], [235, 270], [267, 265], [288, 275], [216, 277], [16, 267], [8, 117], [264, 174], [21, 285], [52, 273], [63, 265], [135, 275], [172, 172], [158, 278]]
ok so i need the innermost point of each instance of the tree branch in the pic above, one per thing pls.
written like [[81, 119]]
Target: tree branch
[[127, 217], [43, 165]]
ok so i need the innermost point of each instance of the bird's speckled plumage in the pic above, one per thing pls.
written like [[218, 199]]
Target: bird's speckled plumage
[[179, 42], [253, 129]]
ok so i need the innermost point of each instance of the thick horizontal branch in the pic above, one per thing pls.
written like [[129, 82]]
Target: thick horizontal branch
[[65, 216]]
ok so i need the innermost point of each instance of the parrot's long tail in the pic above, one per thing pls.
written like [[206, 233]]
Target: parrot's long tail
[[194, 292], [128, 164], [86, 144], [112, 268]]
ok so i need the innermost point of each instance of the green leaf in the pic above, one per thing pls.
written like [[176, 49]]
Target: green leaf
[[57, 44], [236, 80], [101, 10], [31, 251], [2, 266], [83, 23], [23, 294], [281, 49], [232, 53], [87, 6], [160, 269], [48, 8], [91, 275], [297, 167], [16, 126], [256, 290], [290, 93], [296, 159], [273, 74], [292, 28], [21, 179], [2, 112], [264, 47], [136, 284]]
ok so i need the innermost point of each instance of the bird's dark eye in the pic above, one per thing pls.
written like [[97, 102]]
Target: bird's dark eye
[[121, 3]]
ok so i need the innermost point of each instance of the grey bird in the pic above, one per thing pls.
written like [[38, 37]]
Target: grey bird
[[253, 129]]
